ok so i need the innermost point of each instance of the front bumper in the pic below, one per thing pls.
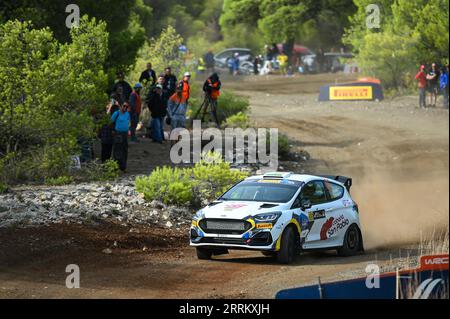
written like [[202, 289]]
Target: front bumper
[[253, 238]]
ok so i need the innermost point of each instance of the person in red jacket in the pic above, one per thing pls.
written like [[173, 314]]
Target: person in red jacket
[[135, 110], [421, 85]]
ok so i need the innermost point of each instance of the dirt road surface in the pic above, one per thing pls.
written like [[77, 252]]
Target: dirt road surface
[[396, 154]]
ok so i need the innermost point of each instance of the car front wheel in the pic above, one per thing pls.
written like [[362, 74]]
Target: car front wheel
[[287, 250], [203, 253]]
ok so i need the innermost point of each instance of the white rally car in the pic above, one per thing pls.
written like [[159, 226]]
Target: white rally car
[[280, 214]]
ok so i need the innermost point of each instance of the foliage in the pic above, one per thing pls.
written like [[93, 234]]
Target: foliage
[[411, 32], [238, 120], [161, 52], [126, 22], [3, 188], [213, 177], [319, 23], [169, 185], [284, 146], [49, 92], [180, 186], [58, 181]]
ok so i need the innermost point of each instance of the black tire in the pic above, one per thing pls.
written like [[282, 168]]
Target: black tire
[[203, 253], [352, 242], [288, 248]]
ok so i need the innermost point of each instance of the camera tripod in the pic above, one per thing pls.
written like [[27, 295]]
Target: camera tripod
[[208, 102]]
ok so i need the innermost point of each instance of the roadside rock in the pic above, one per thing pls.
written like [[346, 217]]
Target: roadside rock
[[85, 203]]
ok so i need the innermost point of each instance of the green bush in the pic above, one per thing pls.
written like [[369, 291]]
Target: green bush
[[205, 181], [3, 188], [239, 120], [169, 185], [284, 146], [213, 177], [58, 181]]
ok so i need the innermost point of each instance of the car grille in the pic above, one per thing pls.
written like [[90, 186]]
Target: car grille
[[224, 226]]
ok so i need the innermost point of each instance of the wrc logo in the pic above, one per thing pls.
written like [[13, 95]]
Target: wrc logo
[[426, 287]]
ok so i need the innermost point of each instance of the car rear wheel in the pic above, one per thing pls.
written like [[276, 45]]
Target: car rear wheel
[[204, 253], [287, 250], [352, 242]]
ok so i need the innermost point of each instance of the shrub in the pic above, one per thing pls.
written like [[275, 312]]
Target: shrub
[[238, 120], [3, 188], [58, 181], [193, 186], [213, 177], [169, 185]]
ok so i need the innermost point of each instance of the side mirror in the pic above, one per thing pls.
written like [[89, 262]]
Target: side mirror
[[305, 204]]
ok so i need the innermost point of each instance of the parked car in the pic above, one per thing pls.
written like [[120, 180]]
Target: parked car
[[245, 59], [280, 214], [333, 62]]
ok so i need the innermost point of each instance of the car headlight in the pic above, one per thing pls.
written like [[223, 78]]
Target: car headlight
[[199, 215], [267, 217]]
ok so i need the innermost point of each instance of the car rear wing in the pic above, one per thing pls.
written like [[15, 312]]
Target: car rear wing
[[347, 181]]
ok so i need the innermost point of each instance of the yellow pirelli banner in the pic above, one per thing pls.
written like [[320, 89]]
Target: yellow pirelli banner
[[351, 93]]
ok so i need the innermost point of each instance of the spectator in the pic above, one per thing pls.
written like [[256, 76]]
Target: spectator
[[256, 63], [283, 62], [170, 82], [158, 111], [122, 88], [209, 61], [421, 85], [121, 120], [236, 64], [135, 110], [106, 132], [320, 59], [175, 111], [433, 85], [443, 84], [201, 66], [148, 75], [211, 87]]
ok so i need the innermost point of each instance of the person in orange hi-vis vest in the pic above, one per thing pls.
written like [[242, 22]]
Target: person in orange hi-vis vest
[[211, 87]]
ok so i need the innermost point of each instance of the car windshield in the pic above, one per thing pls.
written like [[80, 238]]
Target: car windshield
[[263, 190]]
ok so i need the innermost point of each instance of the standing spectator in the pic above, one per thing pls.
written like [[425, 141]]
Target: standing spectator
[[176, 110], [106, 132], [443, 83], [121, 120], [201, 66], [211, 87], [209, 61], [236, 64], [122, 88], [135, 110], [433, 85], [421, 85], [230, 63], [256, 63], [158, 112], [170, 82], [320, 59], [283, 62], [148, 75]]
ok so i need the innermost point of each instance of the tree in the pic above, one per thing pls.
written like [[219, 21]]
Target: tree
[[319, 23], [49, 91], [161, 52], [411, 32]]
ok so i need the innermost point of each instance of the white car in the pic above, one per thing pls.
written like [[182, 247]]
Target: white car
[[280, 214]]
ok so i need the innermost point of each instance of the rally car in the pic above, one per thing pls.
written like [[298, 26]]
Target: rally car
[[280, 214]]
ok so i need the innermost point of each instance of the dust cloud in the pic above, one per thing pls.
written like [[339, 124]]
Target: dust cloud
[[395, 212]]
